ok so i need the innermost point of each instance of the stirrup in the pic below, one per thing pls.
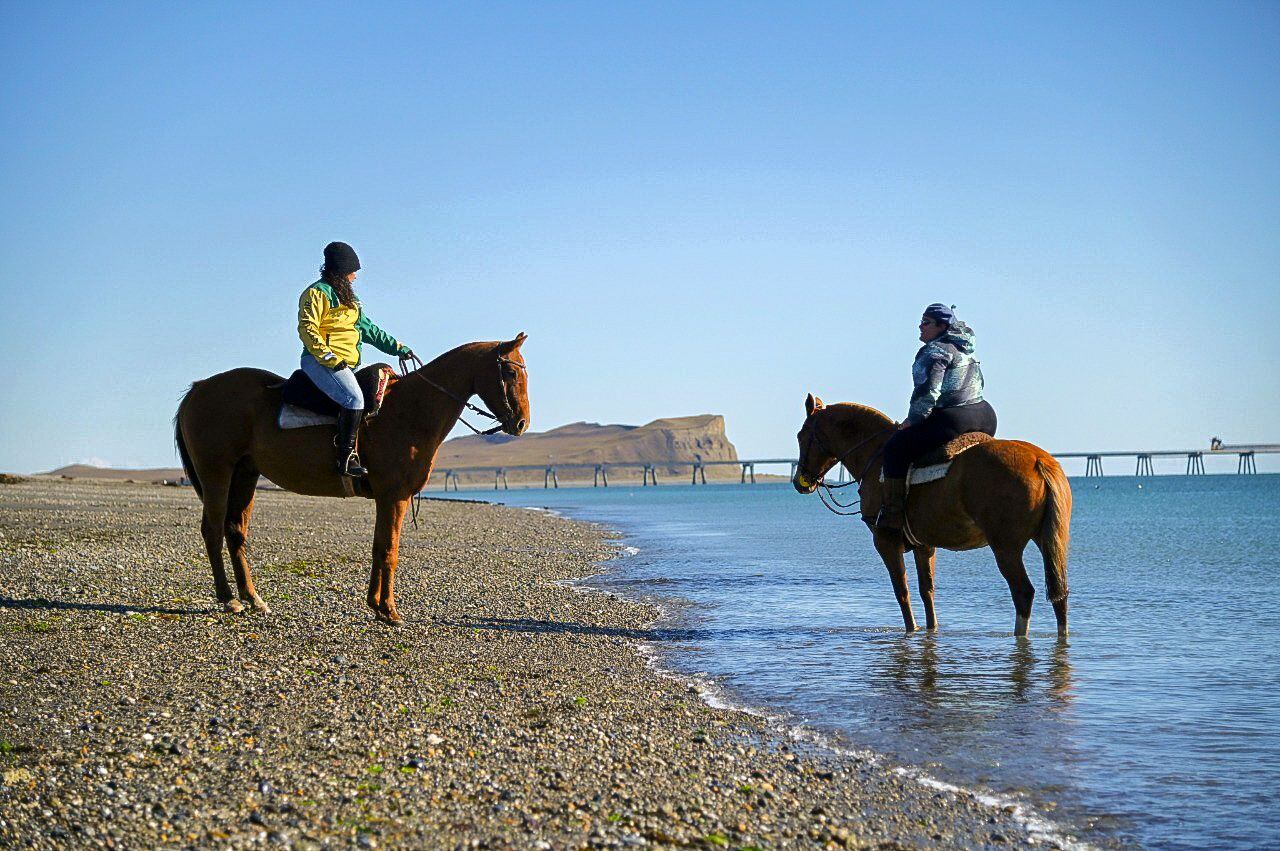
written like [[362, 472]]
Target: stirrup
[[351, 466]]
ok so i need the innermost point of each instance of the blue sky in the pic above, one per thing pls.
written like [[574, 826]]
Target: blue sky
[[690, 208]]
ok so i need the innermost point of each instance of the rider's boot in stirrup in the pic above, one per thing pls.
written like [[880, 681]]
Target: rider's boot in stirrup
[[348, 461], [892, 505]]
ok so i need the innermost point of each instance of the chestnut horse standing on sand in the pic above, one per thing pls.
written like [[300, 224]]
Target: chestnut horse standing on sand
[[999, 493], [227, 434]]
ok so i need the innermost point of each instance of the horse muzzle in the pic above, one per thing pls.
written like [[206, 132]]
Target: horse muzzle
[[802, 484], [517, 428]]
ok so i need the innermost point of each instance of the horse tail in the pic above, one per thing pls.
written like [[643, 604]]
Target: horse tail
[[1055, 529], [187, 466]]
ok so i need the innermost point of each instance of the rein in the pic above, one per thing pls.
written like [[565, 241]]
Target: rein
[[416, 373], [405, 372], [828, 498]]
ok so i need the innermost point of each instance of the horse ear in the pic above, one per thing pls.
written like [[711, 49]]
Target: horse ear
[[812, 403], [511, 345]]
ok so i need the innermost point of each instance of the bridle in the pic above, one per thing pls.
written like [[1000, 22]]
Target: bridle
[[502, 381], [825, 490]]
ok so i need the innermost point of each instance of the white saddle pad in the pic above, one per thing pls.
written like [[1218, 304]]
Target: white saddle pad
[[291, 416], [924, 475]]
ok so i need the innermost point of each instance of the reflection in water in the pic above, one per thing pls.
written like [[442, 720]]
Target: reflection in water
[[962, 680]]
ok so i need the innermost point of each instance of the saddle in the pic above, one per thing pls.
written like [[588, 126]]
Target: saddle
[[303, 404], [934, 464]]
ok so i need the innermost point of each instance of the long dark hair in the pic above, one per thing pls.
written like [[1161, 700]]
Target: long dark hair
[[341, 287]]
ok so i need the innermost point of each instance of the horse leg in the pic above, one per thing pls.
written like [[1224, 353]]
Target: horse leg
[[244, 483], [212, 529], [890, 550], [1009, 559], [925, 561], [1050, 553], [386, 557]]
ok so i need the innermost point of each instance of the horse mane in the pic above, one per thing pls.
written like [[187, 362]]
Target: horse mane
[[863, 415], [457, 350]]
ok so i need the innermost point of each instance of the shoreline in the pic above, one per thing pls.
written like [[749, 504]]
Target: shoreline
[[511, 711]]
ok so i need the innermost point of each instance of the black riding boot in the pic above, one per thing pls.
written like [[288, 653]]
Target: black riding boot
[[348, 461], [893, 504]]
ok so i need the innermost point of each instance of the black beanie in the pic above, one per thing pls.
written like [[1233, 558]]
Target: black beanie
[[340, 259]]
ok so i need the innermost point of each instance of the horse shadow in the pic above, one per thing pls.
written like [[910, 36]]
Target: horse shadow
[[44, 604], [546, 627]]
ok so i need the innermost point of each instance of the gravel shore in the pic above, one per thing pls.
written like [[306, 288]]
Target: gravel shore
[[511, 710]]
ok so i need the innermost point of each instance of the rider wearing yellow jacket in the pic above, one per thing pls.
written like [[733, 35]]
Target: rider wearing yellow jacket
[[333, 332], [333, 325]]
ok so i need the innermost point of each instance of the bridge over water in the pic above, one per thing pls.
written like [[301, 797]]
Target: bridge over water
[[1246, 462]]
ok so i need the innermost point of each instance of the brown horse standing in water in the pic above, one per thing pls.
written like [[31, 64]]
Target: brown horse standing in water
[[227, 434], [999, 493]]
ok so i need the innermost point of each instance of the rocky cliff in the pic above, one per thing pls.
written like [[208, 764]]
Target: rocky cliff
[[665, 441]]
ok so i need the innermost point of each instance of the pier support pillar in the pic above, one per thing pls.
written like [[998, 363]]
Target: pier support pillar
[[500, 475], [1247, 463], [1144, 467], [1093, 465], [1195, 464], [794, 466], [449, 474], [549, 478], [748, 469], [649, 472]]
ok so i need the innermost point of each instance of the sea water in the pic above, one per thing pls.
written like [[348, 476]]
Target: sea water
[[1154, 724]]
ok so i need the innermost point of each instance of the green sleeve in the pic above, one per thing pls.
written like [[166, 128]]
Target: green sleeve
[[376, 337]]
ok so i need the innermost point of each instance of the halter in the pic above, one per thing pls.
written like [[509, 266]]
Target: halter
[[502, 381], [824, 490]]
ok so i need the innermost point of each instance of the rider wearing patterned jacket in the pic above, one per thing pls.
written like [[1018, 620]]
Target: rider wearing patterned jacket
[[946, 403]]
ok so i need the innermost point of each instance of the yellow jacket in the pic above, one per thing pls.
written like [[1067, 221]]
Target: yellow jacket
[[333, 332]]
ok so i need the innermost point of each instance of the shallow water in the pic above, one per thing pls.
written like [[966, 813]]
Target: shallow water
[[1155, 724]]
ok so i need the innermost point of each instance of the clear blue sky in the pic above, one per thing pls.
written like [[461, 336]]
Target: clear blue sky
[[690, 207]]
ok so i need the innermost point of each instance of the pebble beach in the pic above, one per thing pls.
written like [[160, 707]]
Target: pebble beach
[[512, 710]]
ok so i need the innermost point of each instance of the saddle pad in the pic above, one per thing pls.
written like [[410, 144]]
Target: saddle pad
[[924, 475], [291, 416]]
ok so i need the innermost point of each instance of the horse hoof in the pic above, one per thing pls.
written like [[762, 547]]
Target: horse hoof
[[260, 606], [390, 620], [234, 607]]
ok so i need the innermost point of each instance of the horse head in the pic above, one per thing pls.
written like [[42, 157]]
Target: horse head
[[834, 434], [815, 458], [505, 388]]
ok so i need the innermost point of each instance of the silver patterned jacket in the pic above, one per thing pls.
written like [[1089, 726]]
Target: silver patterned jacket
[[946, 373]]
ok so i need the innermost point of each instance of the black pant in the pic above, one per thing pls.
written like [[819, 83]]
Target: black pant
[[939, 427]]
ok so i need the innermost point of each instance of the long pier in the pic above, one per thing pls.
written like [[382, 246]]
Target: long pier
[[1246, 463]]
